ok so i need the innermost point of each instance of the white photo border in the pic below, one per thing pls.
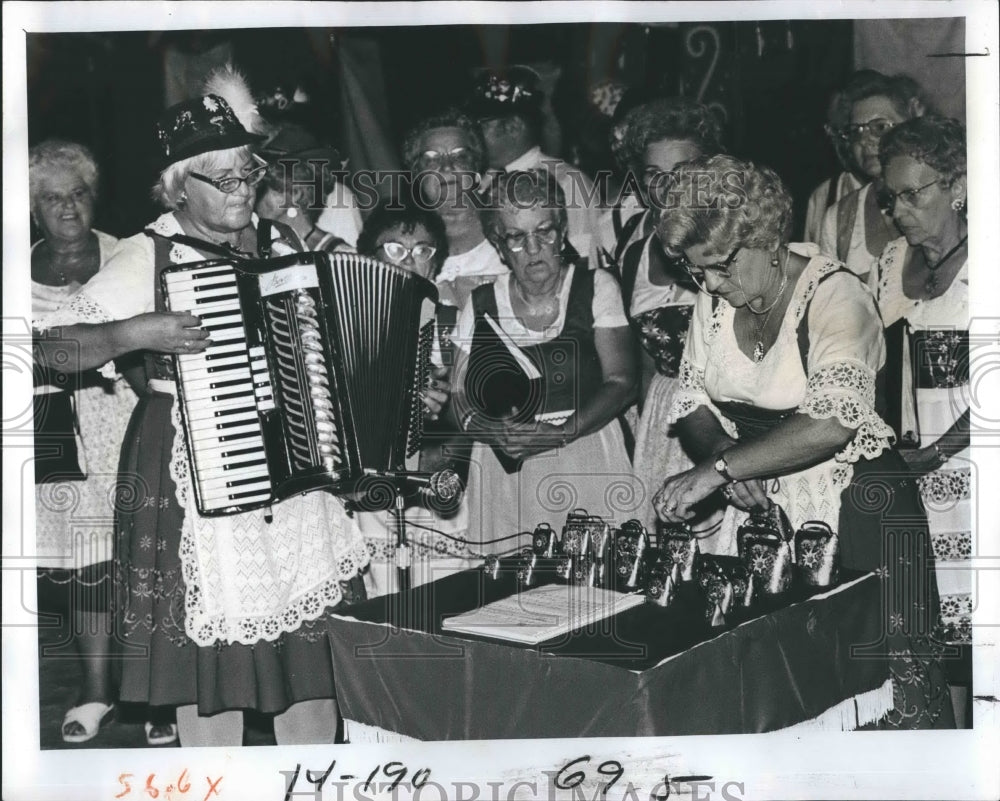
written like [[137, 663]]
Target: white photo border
[[954, 765]]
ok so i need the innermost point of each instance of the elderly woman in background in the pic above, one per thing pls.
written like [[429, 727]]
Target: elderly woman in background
[[508, 105], [414, 239], [849, 177], [532, 464], [856, 229], [299, 173], [446, 157], [658, 298], [778, 383], [215, 641], [922, 287], [658, 136], [74, 545]]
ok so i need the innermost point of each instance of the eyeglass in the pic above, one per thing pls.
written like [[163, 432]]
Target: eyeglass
[[546, 233], [856, 131], [56, 199], [460, 158], [397, 252], [231, 184], [887, 198], [719, 269]]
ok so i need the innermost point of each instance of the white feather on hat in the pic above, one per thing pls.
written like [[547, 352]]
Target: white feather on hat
[[231, 85]]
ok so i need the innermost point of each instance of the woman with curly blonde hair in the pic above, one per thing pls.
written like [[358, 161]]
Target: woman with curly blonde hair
[[777, 405]]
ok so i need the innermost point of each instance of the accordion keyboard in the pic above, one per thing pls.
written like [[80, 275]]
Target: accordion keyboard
[[225, 387]]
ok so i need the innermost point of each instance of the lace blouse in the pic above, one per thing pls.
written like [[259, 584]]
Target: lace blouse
[[846, 350]]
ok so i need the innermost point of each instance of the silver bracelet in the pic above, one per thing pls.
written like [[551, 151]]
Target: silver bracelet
[[940, 454]]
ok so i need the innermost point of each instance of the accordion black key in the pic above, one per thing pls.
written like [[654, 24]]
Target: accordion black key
[[313, 377]]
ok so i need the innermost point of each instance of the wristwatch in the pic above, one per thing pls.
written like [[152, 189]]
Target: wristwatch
[[722, 467]]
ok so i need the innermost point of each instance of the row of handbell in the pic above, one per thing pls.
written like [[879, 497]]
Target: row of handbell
[[772, 556], [771, 550]]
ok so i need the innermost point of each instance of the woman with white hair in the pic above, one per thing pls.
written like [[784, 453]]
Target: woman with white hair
[[542, 452], [74, 510], [227, 611]]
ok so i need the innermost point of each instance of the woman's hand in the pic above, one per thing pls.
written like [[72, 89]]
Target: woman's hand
[[922, 460], [521, 440], [679, 493], [746, 495], [436, 393], [167, 332]]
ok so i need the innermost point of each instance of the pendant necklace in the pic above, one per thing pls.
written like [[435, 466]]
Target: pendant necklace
[[930, 285], [80, 272], [758, 348]]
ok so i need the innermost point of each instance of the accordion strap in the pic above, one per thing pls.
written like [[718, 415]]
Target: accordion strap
[[264, 227]]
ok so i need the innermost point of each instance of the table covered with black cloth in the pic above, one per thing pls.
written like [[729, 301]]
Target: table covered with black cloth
[[648, 671]]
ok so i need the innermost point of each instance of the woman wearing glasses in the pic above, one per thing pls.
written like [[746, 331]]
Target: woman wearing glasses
[[446, 157], [63, 183], [855, 229], [556, 445], [217, 614], [777, 401], [414, 239], [922, 287]]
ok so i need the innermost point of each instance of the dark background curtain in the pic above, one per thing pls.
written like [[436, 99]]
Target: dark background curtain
[[770, 81]]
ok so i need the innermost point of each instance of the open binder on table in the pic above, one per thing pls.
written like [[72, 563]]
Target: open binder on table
[[539, 614]]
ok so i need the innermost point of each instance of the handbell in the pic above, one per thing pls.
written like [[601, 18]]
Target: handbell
[[727, 599], [600, 545], [526, 568], [817, 554], [765, 548], [681, 547], [667, 596], [491, 566], [544, 541], [629, 549]]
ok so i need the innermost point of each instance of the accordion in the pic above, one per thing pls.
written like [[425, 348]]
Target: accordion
[[313, 377]]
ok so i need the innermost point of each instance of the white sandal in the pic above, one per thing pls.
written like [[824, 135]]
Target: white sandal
[[163, 739], [90, 716]]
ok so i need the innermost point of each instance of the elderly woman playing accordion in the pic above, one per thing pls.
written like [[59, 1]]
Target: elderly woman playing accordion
[[777, 403], [227, 610]]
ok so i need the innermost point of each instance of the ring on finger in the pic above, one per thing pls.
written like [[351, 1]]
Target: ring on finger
[[728, 491]]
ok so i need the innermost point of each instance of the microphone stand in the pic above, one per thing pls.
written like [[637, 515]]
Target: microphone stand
[[443, 485], [404, 553], [403, 557]]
